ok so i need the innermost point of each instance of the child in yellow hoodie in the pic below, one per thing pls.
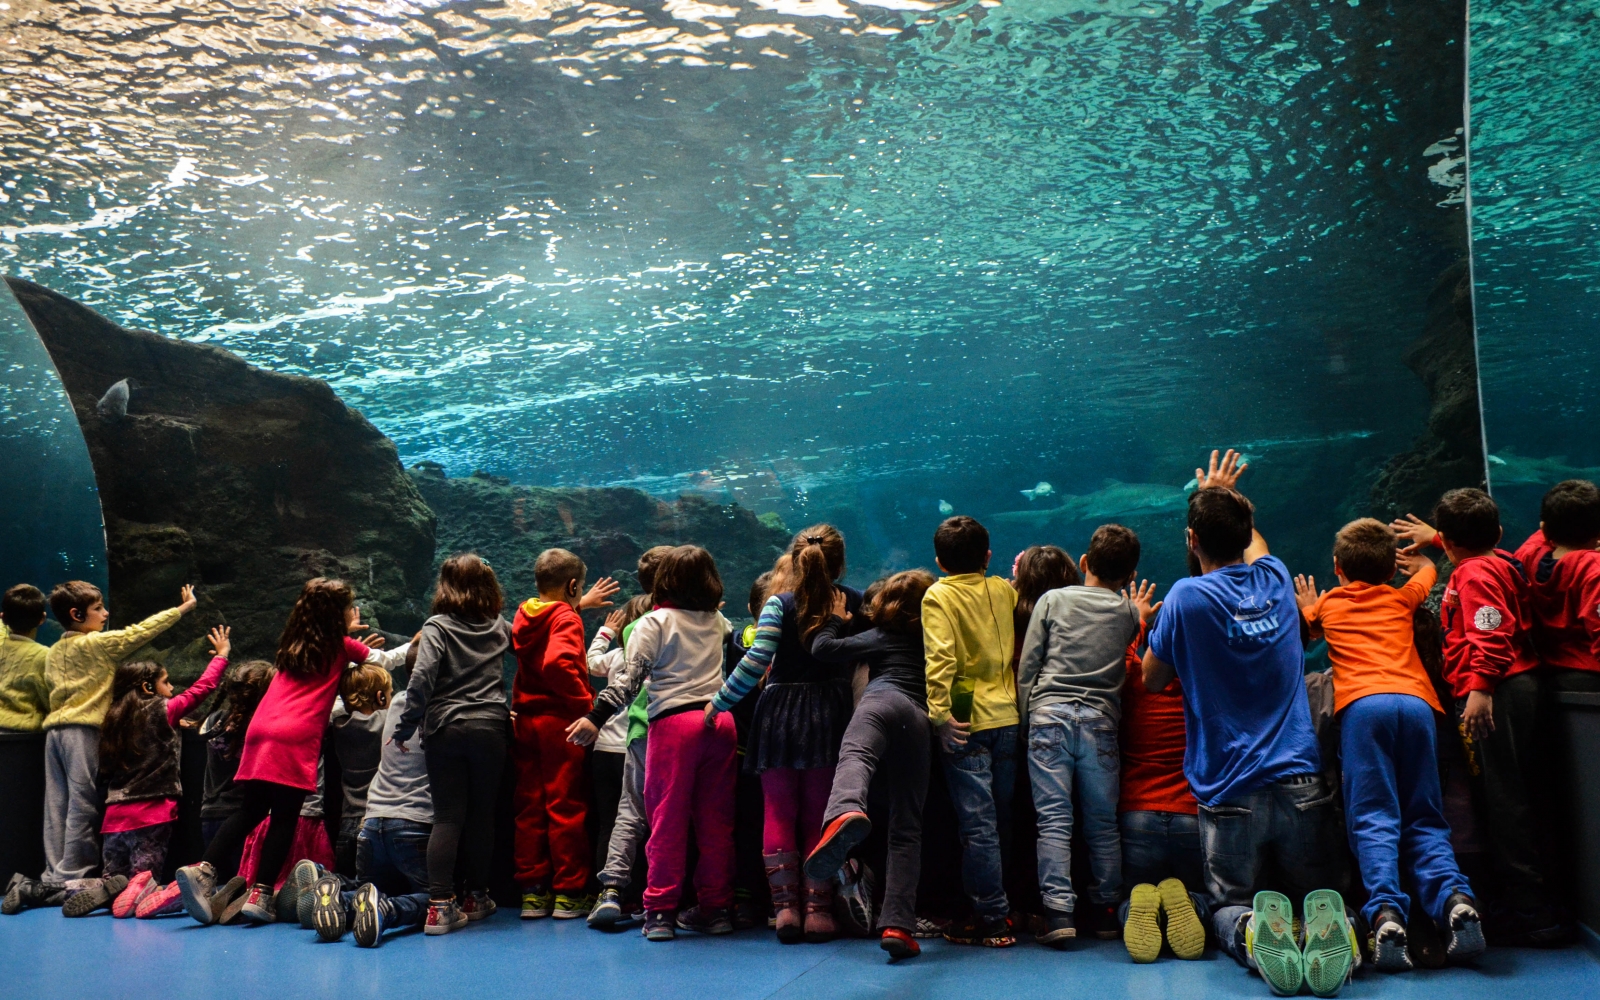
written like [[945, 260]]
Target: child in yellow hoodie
[[79, 671], [967, 636]]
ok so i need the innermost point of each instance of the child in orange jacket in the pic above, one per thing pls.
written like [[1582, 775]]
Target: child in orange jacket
[[551, 690]]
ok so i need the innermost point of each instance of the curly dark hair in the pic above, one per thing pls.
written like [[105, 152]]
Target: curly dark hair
[[135, 709], [241, 691], [896, 605], [315, 632]]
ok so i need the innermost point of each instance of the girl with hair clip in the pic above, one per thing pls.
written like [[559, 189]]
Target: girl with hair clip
[[799, 722], [278, 762]]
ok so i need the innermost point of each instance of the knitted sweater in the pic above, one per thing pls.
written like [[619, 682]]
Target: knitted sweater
[[81, 664]]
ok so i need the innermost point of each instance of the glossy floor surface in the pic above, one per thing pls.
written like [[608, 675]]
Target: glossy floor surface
[[50, 956]]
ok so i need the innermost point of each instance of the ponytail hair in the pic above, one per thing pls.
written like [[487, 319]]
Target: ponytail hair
[[818, 560], [125, 733]]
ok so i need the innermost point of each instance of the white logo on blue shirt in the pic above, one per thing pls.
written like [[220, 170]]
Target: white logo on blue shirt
[[1252, 621]]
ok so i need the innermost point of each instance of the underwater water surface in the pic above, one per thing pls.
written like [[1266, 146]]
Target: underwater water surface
[[1536, 244], [870, 262]]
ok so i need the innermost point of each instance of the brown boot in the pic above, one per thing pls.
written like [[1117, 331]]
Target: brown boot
[[783, 876], [819, 911]]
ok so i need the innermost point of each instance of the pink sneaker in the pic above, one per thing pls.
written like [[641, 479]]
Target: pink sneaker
[[162, 901], [128, 899]]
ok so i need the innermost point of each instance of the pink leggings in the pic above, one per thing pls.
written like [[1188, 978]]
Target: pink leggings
[[795, 803]]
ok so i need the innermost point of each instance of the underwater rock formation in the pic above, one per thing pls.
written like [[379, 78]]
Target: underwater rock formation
[[1449, 454], [608, 528], [241, 481]]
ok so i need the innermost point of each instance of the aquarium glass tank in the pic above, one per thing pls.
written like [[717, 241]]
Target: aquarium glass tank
[[865, 261]]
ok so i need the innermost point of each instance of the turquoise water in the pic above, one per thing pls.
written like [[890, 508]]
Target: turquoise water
[[1536, 243], [866, 262]]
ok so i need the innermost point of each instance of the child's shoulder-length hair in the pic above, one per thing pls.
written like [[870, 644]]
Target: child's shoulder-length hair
[[316, 629], [468, 588], [897, 604], [688, 579]]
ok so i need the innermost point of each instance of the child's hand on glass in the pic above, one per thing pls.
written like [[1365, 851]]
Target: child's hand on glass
[[220, 644], [582, 732], [1415, 530], [1222, 474], [1305, 592], [186, 600], [839, 599], [614, 621], [1140, 595], [599, 595], [1413, 562]]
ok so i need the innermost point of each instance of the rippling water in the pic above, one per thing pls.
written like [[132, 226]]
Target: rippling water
[[860, 260]]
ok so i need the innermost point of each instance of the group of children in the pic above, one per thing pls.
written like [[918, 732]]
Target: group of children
[[1175, 741]]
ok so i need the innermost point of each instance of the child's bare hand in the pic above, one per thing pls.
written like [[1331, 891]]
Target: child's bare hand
[[1141, 596], [582, 733], [839, 599], [186, 599], [220, 644], [1224, 474], [374, 642], [614, 620], [1412, 562], [1415, 530], [398, 745], [188, 723], [1477, 719], [599, 595], [1305, 592], [711, 715], [953, 734], [353, 624]]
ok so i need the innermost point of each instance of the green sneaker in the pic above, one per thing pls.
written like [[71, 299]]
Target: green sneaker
[[1330, 948], [568, 907], [536, 904], [1270, 941]]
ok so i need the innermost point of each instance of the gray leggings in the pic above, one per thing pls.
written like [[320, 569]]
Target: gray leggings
[[631, 827]]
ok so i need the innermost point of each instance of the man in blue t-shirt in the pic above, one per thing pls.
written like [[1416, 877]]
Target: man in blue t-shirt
[[1231, 633]]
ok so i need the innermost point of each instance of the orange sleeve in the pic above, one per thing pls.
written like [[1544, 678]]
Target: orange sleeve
[[1417, 588]]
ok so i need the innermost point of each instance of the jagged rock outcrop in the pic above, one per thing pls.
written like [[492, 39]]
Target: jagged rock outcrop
[[608, 528], [241, 481], [1449, 454]]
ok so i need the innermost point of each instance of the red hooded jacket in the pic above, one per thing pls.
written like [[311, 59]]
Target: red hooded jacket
[[1486, 623], [1565, 597], [552, 670]]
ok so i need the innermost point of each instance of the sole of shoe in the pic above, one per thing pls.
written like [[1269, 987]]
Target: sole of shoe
[[128, 899], [1186, 935], [327, 908], [605, 916], [194, 899], [898, 948], [86, 901], [301, 878], [12, 904], [560, 914], [1277, 955], [1141, 934], [1390, 953], [1058, 938], [1327, 951], [536, 912], [368, 923], [1466, 941], [228, 904], [844, 833]]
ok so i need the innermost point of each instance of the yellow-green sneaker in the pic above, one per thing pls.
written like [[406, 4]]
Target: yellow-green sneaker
[[1270, 941], [1185, 933], [536, 904], [1141, 932], [569, 906], [1330, 948]]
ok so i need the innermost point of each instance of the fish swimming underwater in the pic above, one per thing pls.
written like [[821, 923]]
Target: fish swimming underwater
[[945, 508], [114, 404], [1510, 469], [1112, 500], [1044, 489]]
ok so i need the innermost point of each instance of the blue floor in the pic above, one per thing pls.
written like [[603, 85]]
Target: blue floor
[[47, 955]]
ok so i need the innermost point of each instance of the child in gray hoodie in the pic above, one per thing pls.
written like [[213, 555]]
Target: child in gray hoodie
[[1069, 682]]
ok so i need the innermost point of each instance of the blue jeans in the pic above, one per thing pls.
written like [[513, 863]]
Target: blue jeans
[[1289, 828], [981, 776], [393, 855], [1395, 806], [1071, 744], [1163, 845]]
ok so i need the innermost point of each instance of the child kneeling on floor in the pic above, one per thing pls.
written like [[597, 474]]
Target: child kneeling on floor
[[691, 755]]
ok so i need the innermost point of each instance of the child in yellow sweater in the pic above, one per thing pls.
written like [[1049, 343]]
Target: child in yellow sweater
[[24, 699]]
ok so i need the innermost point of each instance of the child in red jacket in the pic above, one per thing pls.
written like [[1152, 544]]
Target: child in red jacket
[[1489, 664], [551, 690]]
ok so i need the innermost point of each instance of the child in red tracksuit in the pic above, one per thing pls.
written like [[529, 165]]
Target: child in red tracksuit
[[551, 690], [1489, 664]]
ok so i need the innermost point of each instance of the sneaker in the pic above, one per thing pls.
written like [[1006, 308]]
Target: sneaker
[[327, 907], [128, 899], [607, 910], [994, 933], [567, 907], [1388, 941], [228, 902], [1466, 929], [838, 837], [1330, 948], [1269, 941], [369, 916], [537, 903], [1059, 930], [197, 883], [899, 944], [296, 887], [23, 893], [1186, 935], [852, 898], [444, 917], [164, 901], [478, 905], [927, 927], [706, 920], [258, 907], [99, 892], [1141, 934], [658, 926]]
